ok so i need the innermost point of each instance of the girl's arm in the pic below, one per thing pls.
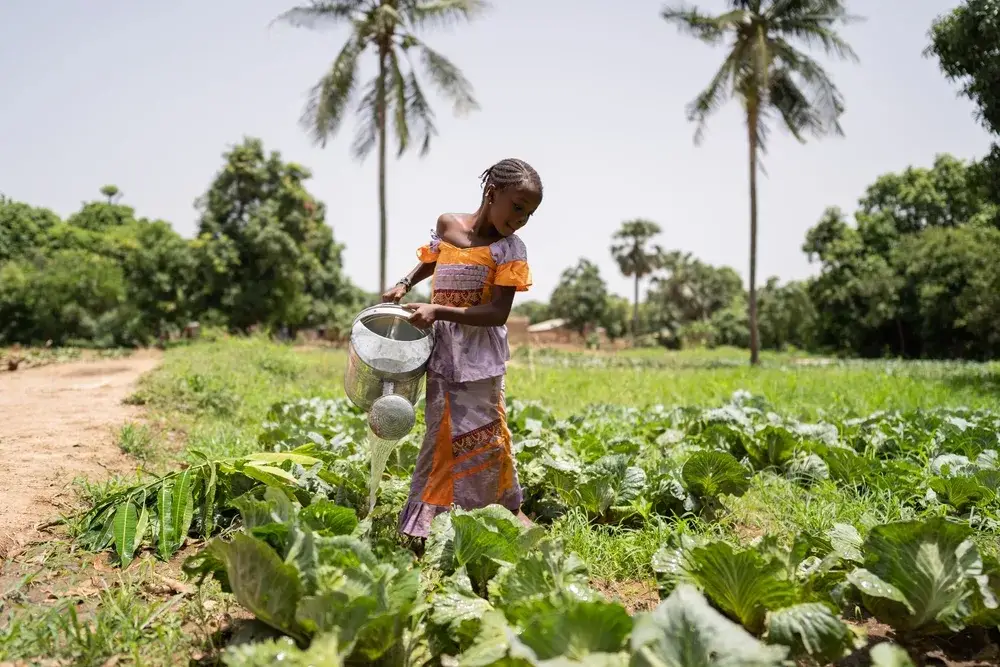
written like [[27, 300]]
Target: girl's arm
[[399, 290], [492, 314], [420, 272]]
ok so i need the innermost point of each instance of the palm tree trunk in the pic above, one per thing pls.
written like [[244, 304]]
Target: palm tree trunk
[[380, 111], [635, 312], [752, 119]]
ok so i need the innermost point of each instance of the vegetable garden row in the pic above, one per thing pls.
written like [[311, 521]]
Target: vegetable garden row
[[284, 536]]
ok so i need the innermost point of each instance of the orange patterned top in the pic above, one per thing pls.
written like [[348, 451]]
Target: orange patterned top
[[466, 277]]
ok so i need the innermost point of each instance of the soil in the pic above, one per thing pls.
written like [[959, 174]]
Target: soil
[[59, 422], [635, 596]]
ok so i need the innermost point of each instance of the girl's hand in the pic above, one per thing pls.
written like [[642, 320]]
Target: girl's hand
[[394, 294], [424, 314]]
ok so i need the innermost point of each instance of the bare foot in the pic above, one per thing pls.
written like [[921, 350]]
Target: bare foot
[[525, 521]]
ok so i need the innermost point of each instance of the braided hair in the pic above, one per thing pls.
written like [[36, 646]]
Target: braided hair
[[511, 172]]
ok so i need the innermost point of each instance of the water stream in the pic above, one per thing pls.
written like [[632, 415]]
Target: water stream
[[380, 451], [379, 448]]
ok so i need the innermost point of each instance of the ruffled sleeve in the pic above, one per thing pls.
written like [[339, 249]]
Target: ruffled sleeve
[[429, 253], [511, 258]]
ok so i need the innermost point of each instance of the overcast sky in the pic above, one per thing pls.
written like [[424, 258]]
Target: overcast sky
[[591, 92]]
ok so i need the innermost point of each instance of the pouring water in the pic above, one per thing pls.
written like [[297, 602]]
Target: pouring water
[[380, 450]]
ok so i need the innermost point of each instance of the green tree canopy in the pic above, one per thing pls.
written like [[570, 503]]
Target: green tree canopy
[[266, 254], [24, 229], [899, 280], [787, 315], [581, 297], [966, 42], [691, 290]]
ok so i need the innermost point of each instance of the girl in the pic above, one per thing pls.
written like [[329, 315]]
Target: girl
[[478, 263]]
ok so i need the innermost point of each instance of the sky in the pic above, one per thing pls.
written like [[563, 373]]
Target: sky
[[592, 93]]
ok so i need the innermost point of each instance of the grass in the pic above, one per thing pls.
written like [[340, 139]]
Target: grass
[[216, 395], [214, 398], [806, 391], [137, 440]]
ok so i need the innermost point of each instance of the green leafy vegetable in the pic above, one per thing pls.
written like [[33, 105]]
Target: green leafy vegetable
[[920, 575], [684, 631]]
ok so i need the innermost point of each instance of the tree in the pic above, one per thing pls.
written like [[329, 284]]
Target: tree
[[966, 42], [772, 78], [160, 270], [24, 229], [895, 282], [616, 317], [581, 297], [112, 193], [940, 272], [266, 254], [787, 315], [635, 259], [387, 28], [71, 297], [691, 291], [948, 194], [535, 311]]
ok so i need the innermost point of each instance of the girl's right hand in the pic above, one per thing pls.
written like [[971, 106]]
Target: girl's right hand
[[394, 294]]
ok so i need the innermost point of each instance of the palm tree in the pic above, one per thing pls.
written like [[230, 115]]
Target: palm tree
[[634, 259], [111, 192], [773, 78], [387, 28]]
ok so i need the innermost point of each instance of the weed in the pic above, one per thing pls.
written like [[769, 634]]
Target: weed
[[136, 440]]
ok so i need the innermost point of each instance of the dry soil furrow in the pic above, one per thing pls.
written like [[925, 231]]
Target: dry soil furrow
[[56, 423]]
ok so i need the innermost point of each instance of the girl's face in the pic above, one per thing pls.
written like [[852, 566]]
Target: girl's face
[[510, 209]]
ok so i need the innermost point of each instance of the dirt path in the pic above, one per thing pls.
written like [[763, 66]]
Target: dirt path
[[56, 423]]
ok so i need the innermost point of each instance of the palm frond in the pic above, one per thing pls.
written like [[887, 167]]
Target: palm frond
[[449, 80], [366, 136], [813, 22], [445, 13], [813, 35], [762, 133], [320, 13], [828, 12], [796, 110], [826, 100], [324, 111], [420, 116], [709, 29], [717, 93]]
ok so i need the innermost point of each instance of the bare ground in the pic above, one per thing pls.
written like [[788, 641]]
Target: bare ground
[[57, 423]]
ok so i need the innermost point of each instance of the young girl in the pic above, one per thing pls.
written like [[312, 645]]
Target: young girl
[[478, 263]]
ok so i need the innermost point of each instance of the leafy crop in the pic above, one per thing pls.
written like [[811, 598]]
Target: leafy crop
[[290, 535]]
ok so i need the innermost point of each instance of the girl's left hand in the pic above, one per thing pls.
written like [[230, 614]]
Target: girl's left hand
[[424, 314]]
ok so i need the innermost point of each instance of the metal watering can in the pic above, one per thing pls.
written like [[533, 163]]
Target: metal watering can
[[387, 359]]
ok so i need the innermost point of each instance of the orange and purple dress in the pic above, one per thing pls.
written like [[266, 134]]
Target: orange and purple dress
[[466, 458]]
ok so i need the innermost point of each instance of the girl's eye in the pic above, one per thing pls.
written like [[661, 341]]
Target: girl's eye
[[518, 208]]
